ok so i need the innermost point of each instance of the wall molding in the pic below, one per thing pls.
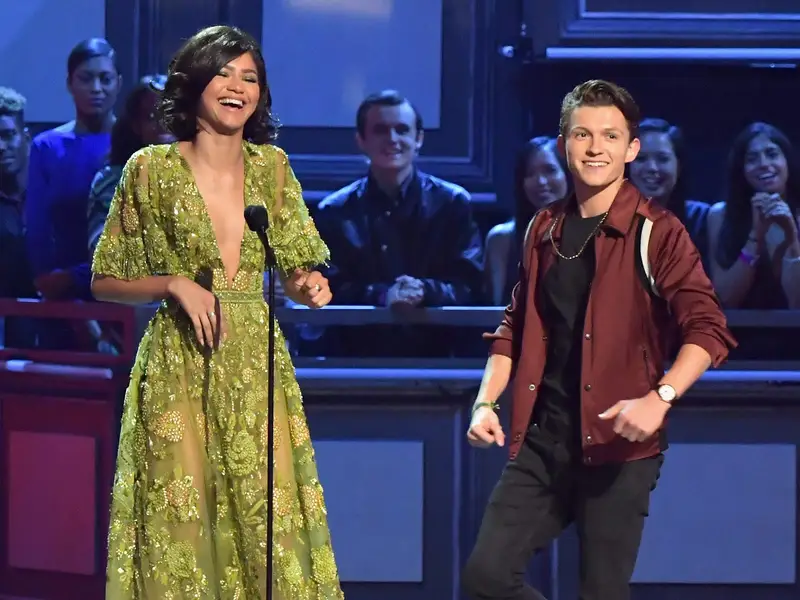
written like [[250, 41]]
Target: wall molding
[[570, 23]]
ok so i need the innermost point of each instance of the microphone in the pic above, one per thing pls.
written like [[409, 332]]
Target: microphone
[[257, 220], [256, 217]]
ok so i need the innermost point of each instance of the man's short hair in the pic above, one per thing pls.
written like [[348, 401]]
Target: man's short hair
[[12, 103], [383, 98], [597, 92]]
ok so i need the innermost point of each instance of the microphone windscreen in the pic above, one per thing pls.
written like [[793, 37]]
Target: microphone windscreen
[[256, 217]]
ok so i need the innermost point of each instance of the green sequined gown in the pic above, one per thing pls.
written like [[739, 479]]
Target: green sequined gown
[[188, 514]]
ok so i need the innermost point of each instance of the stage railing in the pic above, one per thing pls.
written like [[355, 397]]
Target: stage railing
[[124, 318], [737, 379], [353, 315], [481, 316]]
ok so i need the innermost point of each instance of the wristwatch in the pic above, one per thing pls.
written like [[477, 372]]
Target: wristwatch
[[666, 392]]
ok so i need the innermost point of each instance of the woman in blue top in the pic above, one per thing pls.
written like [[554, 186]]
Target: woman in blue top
[[63, 162]]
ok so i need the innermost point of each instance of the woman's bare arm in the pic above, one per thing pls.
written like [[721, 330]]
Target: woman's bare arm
[[139, 291], [732, 284]]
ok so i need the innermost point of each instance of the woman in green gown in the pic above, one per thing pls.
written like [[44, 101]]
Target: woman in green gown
[[188, 514]]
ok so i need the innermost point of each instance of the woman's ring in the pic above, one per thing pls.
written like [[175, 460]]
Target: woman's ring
[[318, 287], [212, 315]]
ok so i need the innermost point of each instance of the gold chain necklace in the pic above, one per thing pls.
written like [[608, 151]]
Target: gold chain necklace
[[585, 243]]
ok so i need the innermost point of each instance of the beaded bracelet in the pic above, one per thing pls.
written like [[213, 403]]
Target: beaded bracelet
[[749, 259], [492, 405]]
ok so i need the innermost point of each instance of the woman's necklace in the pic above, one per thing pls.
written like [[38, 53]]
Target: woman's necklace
[[585, 243]]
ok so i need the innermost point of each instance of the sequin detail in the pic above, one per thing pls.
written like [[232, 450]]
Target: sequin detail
[[170, 426], [188, 517]]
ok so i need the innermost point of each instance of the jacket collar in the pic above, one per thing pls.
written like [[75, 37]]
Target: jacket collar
[[620, 215]]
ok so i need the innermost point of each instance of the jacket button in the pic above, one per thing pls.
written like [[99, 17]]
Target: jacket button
[[588, 439], [588, 460], [532, 387], [517, 437], [588, 336], [588, 387], [544, 338]]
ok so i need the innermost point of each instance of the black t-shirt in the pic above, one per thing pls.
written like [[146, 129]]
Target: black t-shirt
[[563, 298]]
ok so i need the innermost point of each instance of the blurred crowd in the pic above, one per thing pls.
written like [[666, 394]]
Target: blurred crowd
[[399, 237]]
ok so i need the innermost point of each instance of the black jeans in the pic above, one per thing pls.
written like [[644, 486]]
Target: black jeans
[[539, 494]]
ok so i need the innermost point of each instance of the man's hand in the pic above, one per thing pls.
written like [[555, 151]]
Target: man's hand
[[407, 292], [485, 430], [636, 420]]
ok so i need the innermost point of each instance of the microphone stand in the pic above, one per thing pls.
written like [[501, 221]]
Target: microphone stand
[[261, 231]]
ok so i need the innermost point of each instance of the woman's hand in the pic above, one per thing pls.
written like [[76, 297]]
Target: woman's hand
[[311, 289], [203, 309], [779, 213], [758, 203]]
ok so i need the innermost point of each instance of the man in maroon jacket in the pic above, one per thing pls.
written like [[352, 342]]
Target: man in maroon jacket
[[586, 336]]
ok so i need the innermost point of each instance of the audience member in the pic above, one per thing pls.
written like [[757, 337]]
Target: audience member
[[63, 162], [755, 254], [16, 280], [659, 171], [399, 237], [539, 179], [137, 126]]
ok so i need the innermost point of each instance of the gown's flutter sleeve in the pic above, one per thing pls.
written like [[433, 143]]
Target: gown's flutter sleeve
[[123, 251], [292, 234]]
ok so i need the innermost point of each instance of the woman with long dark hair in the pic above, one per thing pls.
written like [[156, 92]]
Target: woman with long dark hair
[[189, 507], [659, 171], [539, 179], [137, 126], [755, 252]]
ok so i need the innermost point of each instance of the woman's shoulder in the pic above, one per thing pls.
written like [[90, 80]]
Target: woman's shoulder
[[55, 137], [108, 175], [695, 210], [146, 161], [68, 133], [717, 210], [151, 155], [267, 156], [501, 231]]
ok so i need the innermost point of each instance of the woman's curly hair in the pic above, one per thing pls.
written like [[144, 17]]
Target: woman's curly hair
[[193, 67]]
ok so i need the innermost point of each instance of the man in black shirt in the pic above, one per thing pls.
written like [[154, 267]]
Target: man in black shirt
[[399, 237], [587, 343], [564, 294]]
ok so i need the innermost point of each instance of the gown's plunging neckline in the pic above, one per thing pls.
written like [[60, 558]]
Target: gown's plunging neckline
[[229, 281]]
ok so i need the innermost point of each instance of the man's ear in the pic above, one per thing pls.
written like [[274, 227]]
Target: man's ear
[[561, 145], [633, 150]]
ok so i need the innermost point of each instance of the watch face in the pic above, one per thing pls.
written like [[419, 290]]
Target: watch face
[[666, 393]]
